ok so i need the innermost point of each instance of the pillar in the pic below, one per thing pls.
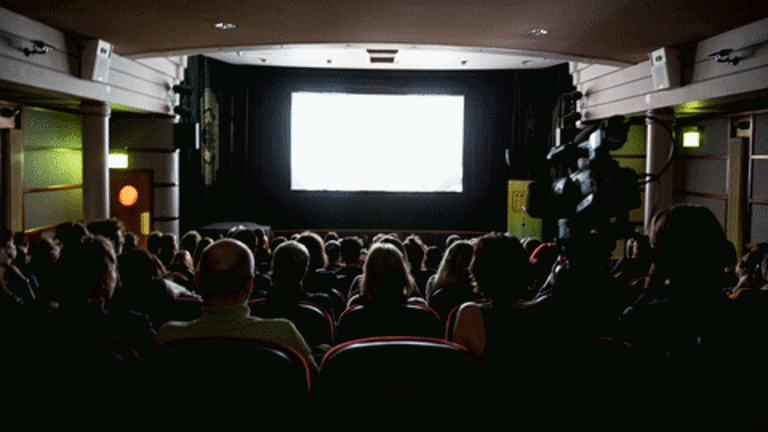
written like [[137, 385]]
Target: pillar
[[658, 194], [95, 160]]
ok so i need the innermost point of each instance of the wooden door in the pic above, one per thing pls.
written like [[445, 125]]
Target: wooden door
[[131, 200]]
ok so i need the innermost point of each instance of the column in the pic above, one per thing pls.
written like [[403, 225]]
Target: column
[[95, 160], [658, 194]]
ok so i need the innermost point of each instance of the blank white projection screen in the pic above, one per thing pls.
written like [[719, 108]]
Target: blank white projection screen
[[389, 143]]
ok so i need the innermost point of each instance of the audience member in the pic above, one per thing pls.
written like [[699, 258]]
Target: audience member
[[225, 280], [688, 331], [385, 288], [111, 229], [201, 245], [415, 251], [189, 241], [453, 284], [263, 252], [289, 267], [168, 248], [131, 242], [333, 252], [88, 279]]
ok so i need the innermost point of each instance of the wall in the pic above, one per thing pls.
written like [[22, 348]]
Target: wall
[[49, 141], [54, 77], [148, 142], [758, 183], [53, 168], [701, 174], [622, 91]]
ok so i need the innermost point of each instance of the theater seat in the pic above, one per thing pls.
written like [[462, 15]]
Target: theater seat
[[370, 320], [231, 374], [312, 321], [380, 372]]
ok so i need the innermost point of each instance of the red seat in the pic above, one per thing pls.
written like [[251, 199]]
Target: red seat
[[371, 320], [390, 371], [232, 374]]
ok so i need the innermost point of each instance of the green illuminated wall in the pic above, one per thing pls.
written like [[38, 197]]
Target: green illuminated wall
[[53, 167]]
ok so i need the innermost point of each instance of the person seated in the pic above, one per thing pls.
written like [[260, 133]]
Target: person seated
[[746, 271], [14, 279], [168, 248], [181, 269], [145, 289], [350, 250], [318, 280], [333, 252], [262, 253], [225, 280], [688, 331], [453, 284], [289, 266], [494, 331], [88, 278], [131, 242], [385, 288], [189, 241], [111, 229], [415, 252]]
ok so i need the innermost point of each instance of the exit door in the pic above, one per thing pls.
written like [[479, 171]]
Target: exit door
[[131, 201]]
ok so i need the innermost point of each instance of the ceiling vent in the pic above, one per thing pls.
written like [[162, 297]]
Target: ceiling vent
[[382, 55]]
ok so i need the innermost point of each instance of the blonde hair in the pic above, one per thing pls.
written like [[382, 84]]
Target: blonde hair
[[385, 275], [182, 258], [454, 268]]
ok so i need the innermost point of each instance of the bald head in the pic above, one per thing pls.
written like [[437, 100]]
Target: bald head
[[226, 267]]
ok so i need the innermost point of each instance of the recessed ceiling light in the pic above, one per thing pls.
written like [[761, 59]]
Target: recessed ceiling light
[[539, 32], [224, 26]]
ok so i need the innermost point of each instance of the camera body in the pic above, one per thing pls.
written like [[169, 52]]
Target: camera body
[[598, 194]]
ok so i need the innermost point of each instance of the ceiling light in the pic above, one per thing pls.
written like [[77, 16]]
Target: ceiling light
[[224, 26], [538, 32]]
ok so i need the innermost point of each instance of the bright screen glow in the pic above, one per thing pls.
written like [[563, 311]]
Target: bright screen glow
[[389, 143]]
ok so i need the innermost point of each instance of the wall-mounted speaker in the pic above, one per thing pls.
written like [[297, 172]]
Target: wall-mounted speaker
[[186, 136], [95, 60], [665, 68]]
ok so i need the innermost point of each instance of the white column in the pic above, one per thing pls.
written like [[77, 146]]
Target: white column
[[658, 194], [95, 160]]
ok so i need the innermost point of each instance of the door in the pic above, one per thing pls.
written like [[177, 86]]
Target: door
[[131, 201]]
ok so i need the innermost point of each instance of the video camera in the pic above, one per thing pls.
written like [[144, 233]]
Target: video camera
[[597, 193]]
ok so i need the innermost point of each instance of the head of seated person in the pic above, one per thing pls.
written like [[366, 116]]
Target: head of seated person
[[189, 241], [290, 263], [316, 248], [350, 248], [691, 251], [501, 269], [386, 277], [89, 272], [111, 229], [454, 269], [225, 273]]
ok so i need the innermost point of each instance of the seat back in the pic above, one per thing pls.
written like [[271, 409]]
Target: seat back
[[312, 321], [450, 319], [369, 320], [390, 371], [233, 373]]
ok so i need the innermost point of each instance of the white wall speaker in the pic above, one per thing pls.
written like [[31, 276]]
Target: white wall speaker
[[665, 69], [95, 60]]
